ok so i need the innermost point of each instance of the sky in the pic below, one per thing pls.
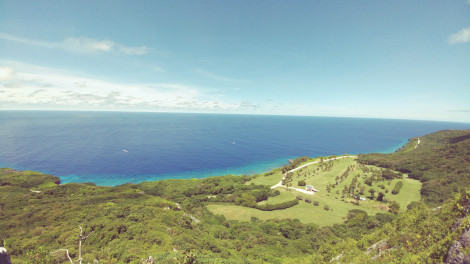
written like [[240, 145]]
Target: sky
[[367, 58]]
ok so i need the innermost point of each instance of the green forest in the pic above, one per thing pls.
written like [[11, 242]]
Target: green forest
[[404, 207]]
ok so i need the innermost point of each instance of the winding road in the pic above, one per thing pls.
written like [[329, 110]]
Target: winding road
[[305, 165]]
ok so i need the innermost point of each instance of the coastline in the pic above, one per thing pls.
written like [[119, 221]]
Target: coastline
[[250, 169], [90, 148]]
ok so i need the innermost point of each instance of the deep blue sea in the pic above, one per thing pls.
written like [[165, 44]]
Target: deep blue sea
[[112, 148]]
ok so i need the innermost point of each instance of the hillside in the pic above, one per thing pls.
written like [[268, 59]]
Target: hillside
[[441, 162], [167, 220], [174, 221], [340, 183]]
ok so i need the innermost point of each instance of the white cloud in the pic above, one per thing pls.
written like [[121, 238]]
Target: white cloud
[[88, 45], [83, 45], [93, 45], [6, 73], [463, 36], [38, 87]]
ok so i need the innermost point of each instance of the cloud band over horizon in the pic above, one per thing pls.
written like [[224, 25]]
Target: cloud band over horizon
[[55, 88]]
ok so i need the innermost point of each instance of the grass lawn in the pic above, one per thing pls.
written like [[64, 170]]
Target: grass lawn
[[408, 193], [305, 212], [319, 176]]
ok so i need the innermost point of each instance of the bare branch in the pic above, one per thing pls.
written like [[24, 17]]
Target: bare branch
[[67, 252], [81, 238], [88, 235]]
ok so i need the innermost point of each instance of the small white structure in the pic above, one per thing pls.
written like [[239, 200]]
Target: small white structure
[[362, 198], [310, 188]]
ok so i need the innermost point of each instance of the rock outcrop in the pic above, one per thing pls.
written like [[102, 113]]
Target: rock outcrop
[[456, 253], [150, 260], [4, 258]]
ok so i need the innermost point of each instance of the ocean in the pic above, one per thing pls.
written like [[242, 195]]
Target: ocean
[[113, 148]]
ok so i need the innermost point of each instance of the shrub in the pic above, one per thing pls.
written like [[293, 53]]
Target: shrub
[[326, 207], [316, 203], [280, 206], [308, 200], [301, 183], [397, 187], [299, 197], [412, 205], [394, 207]]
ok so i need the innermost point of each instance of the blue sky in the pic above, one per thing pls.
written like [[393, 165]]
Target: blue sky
[[385, 59]]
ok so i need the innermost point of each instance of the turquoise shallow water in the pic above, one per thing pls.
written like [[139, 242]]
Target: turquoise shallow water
[[112, 148]]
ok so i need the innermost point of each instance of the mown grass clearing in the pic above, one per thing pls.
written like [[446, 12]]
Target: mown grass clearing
[[305, 212], [337, 176]]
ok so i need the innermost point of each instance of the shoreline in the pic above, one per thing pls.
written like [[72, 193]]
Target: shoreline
[[190, 175], [113, 180]]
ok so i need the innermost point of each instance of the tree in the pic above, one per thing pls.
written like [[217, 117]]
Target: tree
[[380, 196], [248, 200], [345, 191], [301, 183], [394, 207], [372, 192], [362, 189]]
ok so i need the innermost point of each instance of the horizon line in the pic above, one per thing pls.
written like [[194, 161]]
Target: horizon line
[[245, 114]]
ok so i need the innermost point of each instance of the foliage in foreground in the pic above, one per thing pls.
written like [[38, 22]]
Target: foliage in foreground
[[129, 224]]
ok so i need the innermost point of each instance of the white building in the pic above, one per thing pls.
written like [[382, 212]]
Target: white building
[[310, 188]]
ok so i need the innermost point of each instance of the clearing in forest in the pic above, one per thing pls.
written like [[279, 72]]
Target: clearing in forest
[[340, 183]]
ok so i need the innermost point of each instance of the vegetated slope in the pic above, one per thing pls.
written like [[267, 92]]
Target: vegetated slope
[[48, 219], [421, 235], [441, 161], [25, 179], [132, 222], [340, 183]]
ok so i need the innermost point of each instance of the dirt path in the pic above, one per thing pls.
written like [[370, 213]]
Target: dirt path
[[419, 141]]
